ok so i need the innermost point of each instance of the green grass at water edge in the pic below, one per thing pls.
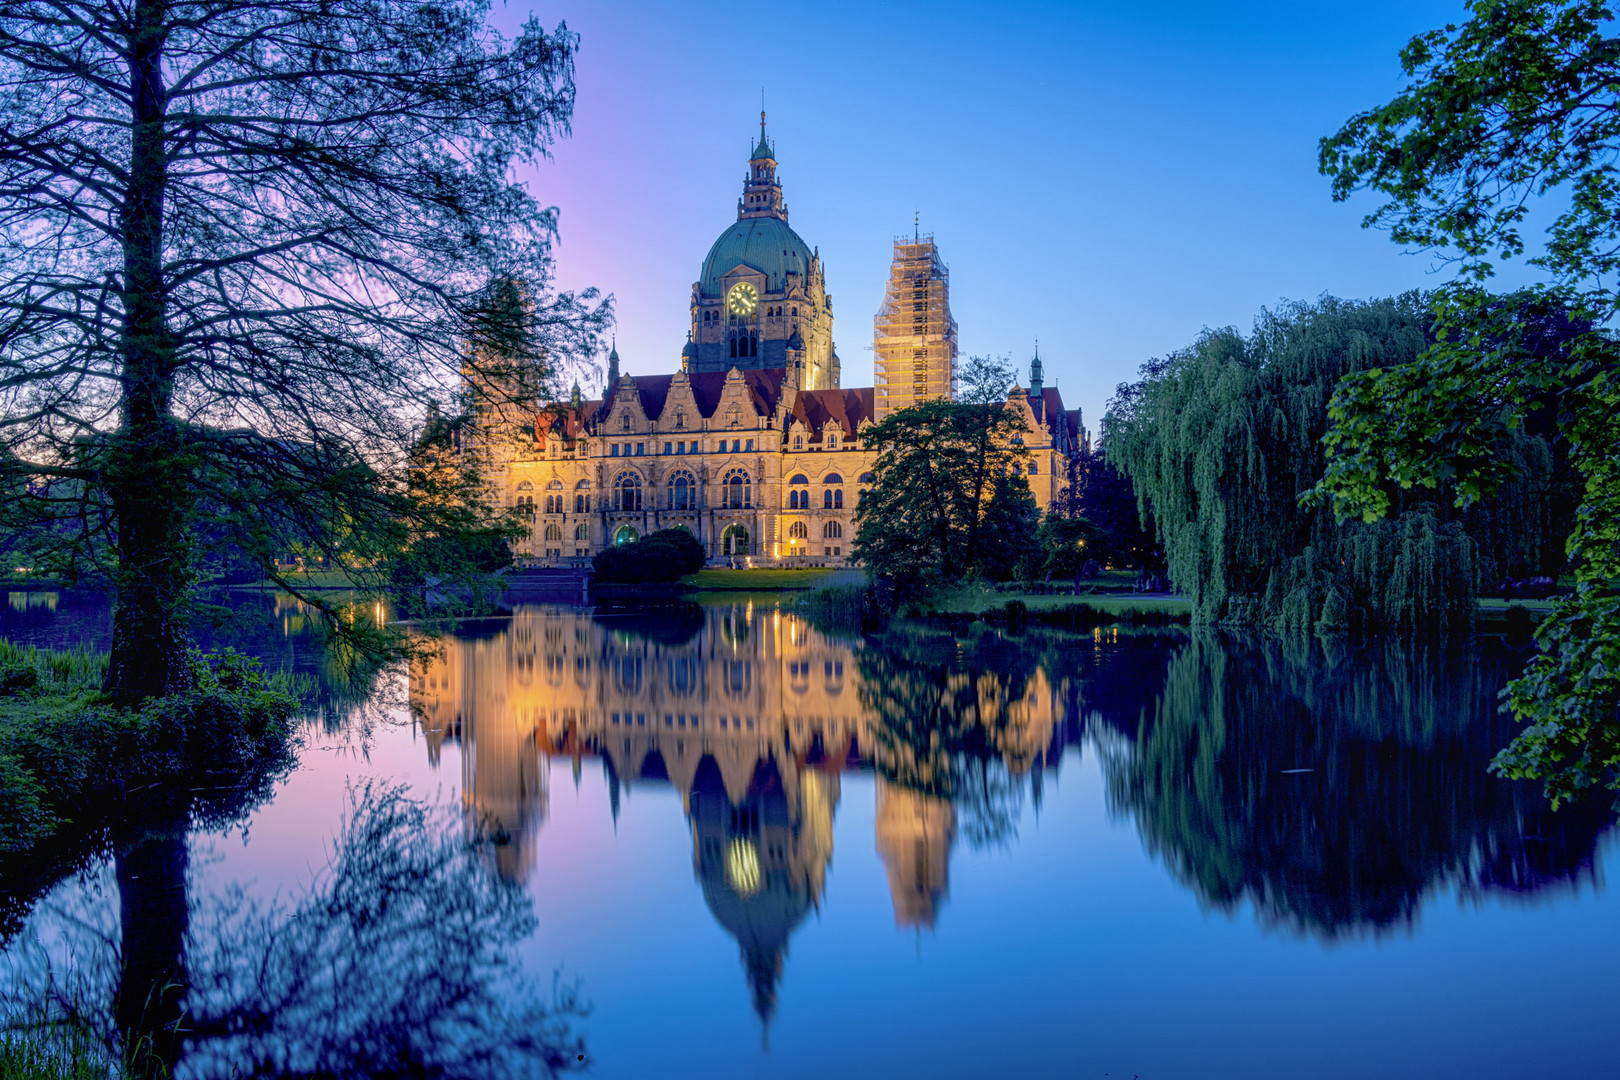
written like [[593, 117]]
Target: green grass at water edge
[[764, 579], [52, 1054], [67, 757], [977, 599], [305, 579]]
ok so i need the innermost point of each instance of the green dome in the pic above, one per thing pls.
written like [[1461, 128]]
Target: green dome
[[764, 243], [763, 151]]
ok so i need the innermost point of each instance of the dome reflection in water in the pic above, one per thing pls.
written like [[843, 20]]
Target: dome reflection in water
[[1325, 793], [1333, 788]]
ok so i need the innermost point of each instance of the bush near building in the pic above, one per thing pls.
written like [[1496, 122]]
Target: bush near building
[[662, 556]]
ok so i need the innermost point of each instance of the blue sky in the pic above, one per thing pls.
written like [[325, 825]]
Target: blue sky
[[1107, 178]]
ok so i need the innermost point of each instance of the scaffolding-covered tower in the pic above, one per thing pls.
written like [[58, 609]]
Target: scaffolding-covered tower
[[916, 336]]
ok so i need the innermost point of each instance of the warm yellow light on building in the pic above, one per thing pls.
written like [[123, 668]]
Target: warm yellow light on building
[[742, 867]]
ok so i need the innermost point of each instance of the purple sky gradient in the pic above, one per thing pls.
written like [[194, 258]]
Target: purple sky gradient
[[1106, 178]]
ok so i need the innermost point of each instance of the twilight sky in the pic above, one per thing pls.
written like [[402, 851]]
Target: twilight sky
[[1109, 178]]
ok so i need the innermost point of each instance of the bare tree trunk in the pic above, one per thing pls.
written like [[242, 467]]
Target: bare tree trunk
[[153, 980], [146, 471]]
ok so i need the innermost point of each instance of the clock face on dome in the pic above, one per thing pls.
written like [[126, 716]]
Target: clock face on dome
[[742, 299]]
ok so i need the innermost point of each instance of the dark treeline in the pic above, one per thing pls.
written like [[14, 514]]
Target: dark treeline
[[1223, 439]]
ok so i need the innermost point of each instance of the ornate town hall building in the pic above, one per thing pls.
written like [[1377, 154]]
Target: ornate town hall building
[[752, 444]]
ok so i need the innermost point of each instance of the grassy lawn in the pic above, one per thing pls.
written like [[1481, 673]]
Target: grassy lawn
[[308, 579], [763, 579], [975, 601], [1496, 603]]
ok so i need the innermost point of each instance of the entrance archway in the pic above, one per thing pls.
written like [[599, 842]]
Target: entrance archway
[[626, 535], [734, 541]]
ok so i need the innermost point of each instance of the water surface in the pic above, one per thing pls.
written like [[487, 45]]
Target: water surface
[[764, 851]]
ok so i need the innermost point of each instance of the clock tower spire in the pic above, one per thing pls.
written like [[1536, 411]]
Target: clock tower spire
[[762, 192]]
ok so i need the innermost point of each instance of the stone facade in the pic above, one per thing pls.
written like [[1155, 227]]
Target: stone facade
[[752, 445]]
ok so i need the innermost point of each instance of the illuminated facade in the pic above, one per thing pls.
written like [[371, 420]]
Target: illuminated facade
[[752, 716], [752, 445]]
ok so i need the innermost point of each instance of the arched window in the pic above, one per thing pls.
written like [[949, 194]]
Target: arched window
[[582, 497], [555, 485], [798, 531], [733, 344], [627, 492], [624, 421], [1032, 469], [832, 531], [867, 478], [798, 442], [753, 344], [832, 440], [798, 493], [582, 533], [625, 535], [525, 486], [553, 533], [683, 491], [733, 415], [680, 419], [738, 490]]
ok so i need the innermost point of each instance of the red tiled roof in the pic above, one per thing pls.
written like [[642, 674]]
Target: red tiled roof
[[764, 389], [846, 408]]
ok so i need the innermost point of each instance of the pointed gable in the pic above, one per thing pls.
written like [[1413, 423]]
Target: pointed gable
[[845, 408]]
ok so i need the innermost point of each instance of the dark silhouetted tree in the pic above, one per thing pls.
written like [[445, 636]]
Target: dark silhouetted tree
[[242, 245]]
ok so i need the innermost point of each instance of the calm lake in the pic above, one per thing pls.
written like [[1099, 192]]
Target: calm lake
[[757, 850]]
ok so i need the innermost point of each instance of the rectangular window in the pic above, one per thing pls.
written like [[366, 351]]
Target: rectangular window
[[641, 448], [615, 449], [680, 447], [667, 449], [736, 446], [750, 446]]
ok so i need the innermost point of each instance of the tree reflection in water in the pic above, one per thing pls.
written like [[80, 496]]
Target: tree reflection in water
[[396, 962], [1334, 788], [755, 719]]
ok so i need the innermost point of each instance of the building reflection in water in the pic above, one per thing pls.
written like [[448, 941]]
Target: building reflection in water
[[750, 714]]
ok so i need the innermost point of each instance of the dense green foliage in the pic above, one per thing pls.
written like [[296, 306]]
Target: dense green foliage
[[661, 556], [1519, 103], [1067, 544], [67, 756], [1222, 440], [947, 503], [1105, 496]]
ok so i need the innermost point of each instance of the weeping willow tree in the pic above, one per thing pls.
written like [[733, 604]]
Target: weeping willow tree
[[1222, 439]]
